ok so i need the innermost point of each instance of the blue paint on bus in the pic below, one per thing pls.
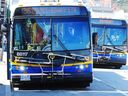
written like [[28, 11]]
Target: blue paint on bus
[[49, 41], [110, 46]]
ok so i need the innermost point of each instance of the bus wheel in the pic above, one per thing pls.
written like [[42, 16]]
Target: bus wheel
[[83, 84], [118, 67], [86, 84]]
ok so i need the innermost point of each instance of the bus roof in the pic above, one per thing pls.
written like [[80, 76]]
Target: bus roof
[[51, 11], [14, 4], [109, 22]]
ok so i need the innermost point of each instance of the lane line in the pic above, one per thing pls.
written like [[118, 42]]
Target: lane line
[[99, 91], [106, 92], [122, 92], [117, 90]]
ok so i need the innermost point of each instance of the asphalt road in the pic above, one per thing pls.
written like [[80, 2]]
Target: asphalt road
[[107, 82]]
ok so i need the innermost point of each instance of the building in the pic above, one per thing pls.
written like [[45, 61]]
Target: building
[[2, 14], [100, 3], [2, 7], [2, 10], [105, 9]]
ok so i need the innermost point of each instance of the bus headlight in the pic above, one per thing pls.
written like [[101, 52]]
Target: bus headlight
[[22, 68], [81, 67], [120, 55]]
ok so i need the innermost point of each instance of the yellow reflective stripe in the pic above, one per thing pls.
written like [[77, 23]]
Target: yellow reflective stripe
[[31, 65], [110, 52], [80, 63], [37, 65]]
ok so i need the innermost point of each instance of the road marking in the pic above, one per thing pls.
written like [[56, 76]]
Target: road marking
[[97, 79], [122, 92], [74, 92], [116, 90]]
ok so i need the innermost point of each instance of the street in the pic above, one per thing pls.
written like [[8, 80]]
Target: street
[[106, 82], [44, 44]]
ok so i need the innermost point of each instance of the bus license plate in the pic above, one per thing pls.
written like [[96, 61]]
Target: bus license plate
[[25, 78]]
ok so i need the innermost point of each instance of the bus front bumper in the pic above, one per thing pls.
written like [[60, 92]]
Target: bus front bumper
[[104, 60], [37, 78]]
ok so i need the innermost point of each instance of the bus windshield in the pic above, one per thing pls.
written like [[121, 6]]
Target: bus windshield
[[51, 34], [110, 35]]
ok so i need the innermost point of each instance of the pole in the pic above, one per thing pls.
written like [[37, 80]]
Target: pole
[[8, 36]]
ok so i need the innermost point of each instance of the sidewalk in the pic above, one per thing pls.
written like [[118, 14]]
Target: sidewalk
[[4, 59], [1, 54], [3, 70]]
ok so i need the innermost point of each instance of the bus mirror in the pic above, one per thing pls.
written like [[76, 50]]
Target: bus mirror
[[94, 38], [3, 28]]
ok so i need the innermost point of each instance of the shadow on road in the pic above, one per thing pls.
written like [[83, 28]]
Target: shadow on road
[[53, 86]]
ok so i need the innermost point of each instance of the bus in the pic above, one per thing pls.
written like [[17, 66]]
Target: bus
[[49, 43], [109, 42]]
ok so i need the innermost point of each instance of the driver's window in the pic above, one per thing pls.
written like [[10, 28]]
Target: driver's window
[[38, 34]]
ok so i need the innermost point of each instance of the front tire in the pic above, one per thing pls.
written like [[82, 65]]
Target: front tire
[[118, 67]]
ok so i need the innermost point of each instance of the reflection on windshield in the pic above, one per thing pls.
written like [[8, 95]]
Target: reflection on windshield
[[31, 34], [39, 34], [110, 36], [74, 34]]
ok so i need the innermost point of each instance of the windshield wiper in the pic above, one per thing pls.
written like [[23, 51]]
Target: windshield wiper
[[72, 56], [113, 46], [62, 45]]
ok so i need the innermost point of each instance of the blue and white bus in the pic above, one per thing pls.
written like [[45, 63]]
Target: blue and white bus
[[50, 43], [109, 42]]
